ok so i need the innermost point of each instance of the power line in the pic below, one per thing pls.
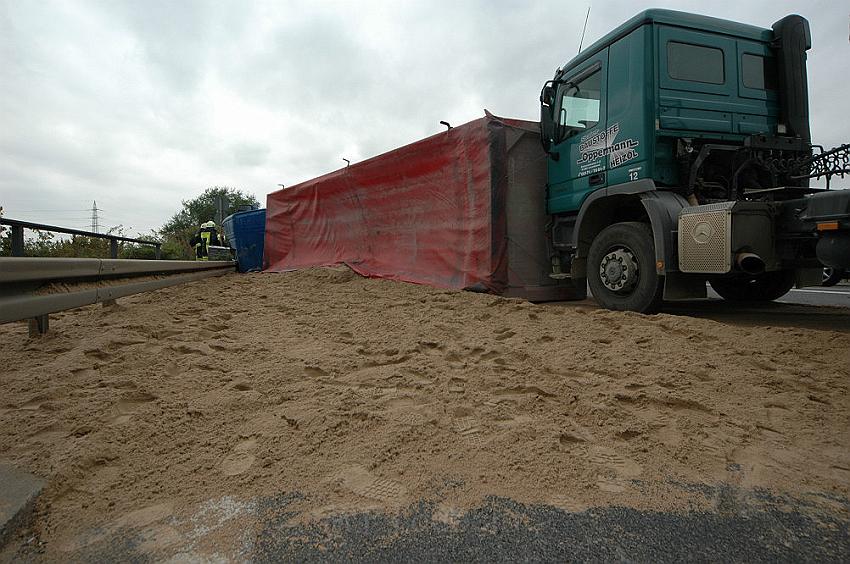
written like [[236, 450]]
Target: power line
[[64, 210], [41, 219]]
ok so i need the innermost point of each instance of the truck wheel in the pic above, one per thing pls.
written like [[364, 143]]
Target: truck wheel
[[832, 276], [764, 287], [621, 268]]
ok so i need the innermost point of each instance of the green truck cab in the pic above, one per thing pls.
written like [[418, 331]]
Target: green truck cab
[[679, 153]]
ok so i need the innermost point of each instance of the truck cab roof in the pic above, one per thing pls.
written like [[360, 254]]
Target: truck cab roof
[[673, 18]]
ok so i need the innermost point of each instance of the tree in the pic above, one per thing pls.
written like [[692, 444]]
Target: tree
[[177, 231]]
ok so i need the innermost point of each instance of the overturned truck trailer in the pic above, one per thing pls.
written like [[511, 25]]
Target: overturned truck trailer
[[461, 209]]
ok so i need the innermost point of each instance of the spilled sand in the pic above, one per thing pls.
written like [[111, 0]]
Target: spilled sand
[[359, 394]]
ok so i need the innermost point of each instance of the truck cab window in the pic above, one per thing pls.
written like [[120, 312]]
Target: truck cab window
[[696, 63], [758, 72], [578, 109]]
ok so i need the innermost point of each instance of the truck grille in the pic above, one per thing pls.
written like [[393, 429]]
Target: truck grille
[[705, 238]]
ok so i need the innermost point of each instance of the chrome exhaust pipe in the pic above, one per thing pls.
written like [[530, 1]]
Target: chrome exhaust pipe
[[750, 263]]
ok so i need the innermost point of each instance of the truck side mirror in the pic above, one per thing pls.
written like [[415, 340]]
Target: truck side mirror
[[547, 95], [547, 122], [547, 128]]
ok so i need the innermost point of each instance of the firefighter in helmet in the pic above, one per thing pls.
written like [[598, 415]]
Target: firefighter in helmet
[[205, 236]]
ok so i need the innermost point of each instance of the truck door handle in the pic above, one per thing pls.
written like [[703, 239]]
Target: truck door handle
[[597, 179]]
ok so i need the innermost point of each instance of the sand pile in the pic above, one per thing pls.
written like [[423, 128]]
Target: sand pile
[[365, 393]]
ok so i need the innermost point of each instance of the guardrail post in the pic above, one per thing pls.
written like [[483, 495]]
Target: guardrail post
[[38, 325], [113, 253], [17, 241]]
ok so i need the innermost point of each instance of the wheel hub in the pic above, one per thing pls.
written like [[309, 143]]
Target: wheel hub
[[618, 270]]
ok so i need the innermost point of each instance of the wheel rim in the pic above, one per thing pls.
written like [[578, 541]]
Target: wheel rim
[[618, 270]]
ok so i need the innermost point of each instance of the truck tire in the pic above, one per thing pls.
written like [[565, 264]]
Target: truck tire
[[621, 268], [764, 287], [832, 276]]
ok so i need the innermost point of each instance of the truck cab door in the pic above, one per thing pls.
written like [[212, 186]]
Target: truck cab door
[[577, 162]]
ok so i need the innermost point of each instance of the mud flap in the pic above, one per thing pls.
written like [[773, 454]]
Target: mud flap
[[808, 277], [681, 286]]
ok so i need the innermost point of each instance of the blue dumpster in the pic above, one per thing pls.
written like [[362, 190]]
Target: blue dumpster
[[245, 231]]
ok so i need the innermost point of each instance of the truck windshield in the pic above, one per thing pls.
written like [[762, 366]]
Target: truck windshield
[[579, 105]]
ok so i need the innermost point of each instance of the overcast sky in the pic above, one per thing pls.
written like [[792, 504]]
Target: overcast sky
[[144, 103]]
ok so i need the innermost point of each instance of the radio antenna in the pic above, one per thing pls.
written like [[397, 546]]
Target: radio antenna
[[586, 17]]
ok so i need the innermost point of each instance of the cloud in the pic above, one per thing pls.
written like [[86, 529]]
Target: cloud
[[140, 105]]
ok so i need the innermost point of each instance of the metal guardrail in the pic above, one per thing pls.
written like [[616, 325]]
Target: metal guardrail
[[25, 291], [18, 227]]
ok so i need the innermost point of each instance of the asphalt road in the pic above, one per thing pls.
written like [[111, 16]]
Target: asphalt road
[[505, 531], [811, 308], [737, 526], [835, 296]]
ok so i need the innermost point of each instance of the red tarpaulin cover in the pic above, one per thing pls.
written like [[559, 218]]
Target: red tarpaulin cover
[[430, 212], [461, 209]]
